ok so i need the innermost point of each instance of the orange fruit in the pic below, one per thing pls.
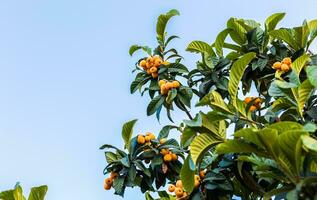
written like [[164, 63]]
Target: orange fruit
[[248, 100], [161, 82], [155, 75], [152, 136], [107, 187], [108, 181], [164, 152], [157, 62], [285, 68], [277, 65], [114, 175], [148, 71], [179, 184], [164, 89], [202, 174], [147, 138], [185, 194], [287, 61], [141, 139], [197, 178], [257, 101], [171, 188], [197, 183], [179, 192], [143, 63], [174, 157], [168, 158], [169, 85], [153, 69], [252, 108], [176, 84]]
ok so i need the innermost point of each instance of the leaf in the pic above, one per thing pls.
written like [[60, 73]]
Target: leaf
[[171, 96], [161, 24], [165, 131], [220, 40], [237, 146], [188, 175], [236, 73], [286, 36], [155, 103], [285, 126], [304, 92], [196, 122], [309, 143], [268, 137], [249, 135], [127, 131], [201, 144], [312, 74], [18, 193], [135, 48], [118, 185], [237, 31], [273, 20], [299, 63], [200, 47], [215, 101], [38, 193]]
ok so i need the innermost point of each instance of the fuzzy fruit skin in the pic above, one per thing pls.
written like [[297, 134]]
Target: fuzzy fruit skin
[[202, 174], [257, 101], [164, 89], [277, 65], [153, 69], [179, 192], [174, 157], [147, 138], [114, 175], [161, 82], [169, 85], [157, 62], [179, 184], [287, 61], [164, 152], [108, 181], [143, 63], [248, 100], [141, 139], [154, 75], [168, 158], [171, 188], [107, 187], [252, 108], [285, 68], [176, 84]]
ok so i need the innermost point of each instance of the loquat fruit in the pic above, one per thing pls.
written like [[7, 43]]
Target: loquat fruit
[[169, 85], [155, 75], [161, 82], [114, 175], [164, 152], [153, 69], [287, 61], [285, 68], [176, 84], [174, 157], [167, 157], [179, 192], [277, 65], [141, 139], [148, 71], [171, 188], [108, 181], [248, 100], [157, 62], [107, 187], [252, 108], [143, 63], [197, 178], [179, 184], [147, 138], [202, 174], [197, 183]]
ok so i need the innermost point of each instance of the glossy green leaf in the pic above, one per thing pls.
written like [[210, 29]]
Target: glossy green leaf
[[188, 175], [162, 22], [38, 193], [220, 40], [154, 105], [200, 47], [304, 92], [299, 63], [273, 20], [312, 74], [127, 131], [286, 36]]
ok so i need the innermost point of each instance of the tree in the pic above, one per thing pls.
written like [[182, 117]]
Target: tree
[[273, 151], [37, 193]]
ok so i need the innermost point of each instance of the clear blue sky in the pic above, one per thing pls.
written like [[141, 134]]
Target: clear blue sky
[[65, 74]]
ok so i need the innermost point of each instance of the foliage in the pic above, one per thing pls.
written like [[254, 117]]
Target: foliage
[[273, 150], [37, 193]]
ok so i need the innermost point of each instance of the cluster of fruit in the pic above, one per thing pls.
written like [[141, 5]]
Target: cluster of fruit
[[284, 66], [151, 65], [168, 156], [109, 181], [166, 86], [256, 103], [143, 139], [178, 189]]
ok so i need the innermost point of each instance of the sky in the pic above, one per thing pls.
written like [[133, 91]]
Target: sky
[[65, 74]]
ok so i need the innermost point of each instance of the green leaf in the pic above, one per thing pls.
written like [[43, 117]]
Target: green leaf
[[220, 40], [135, 48], [127, 131], [188, 175], [161, 24], [215, 101], [285, 126], [201, 144], [18, 193], [155, 103], [237, 146], [249, 135], [273, 20], [237, 31], [304, 92], [312, 74], [299, 63], [236, 73], [268, 137], [171, 96], [38, 193], [165, 131], [309, 144], [286, 36], [200, 47], [118, 185]]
